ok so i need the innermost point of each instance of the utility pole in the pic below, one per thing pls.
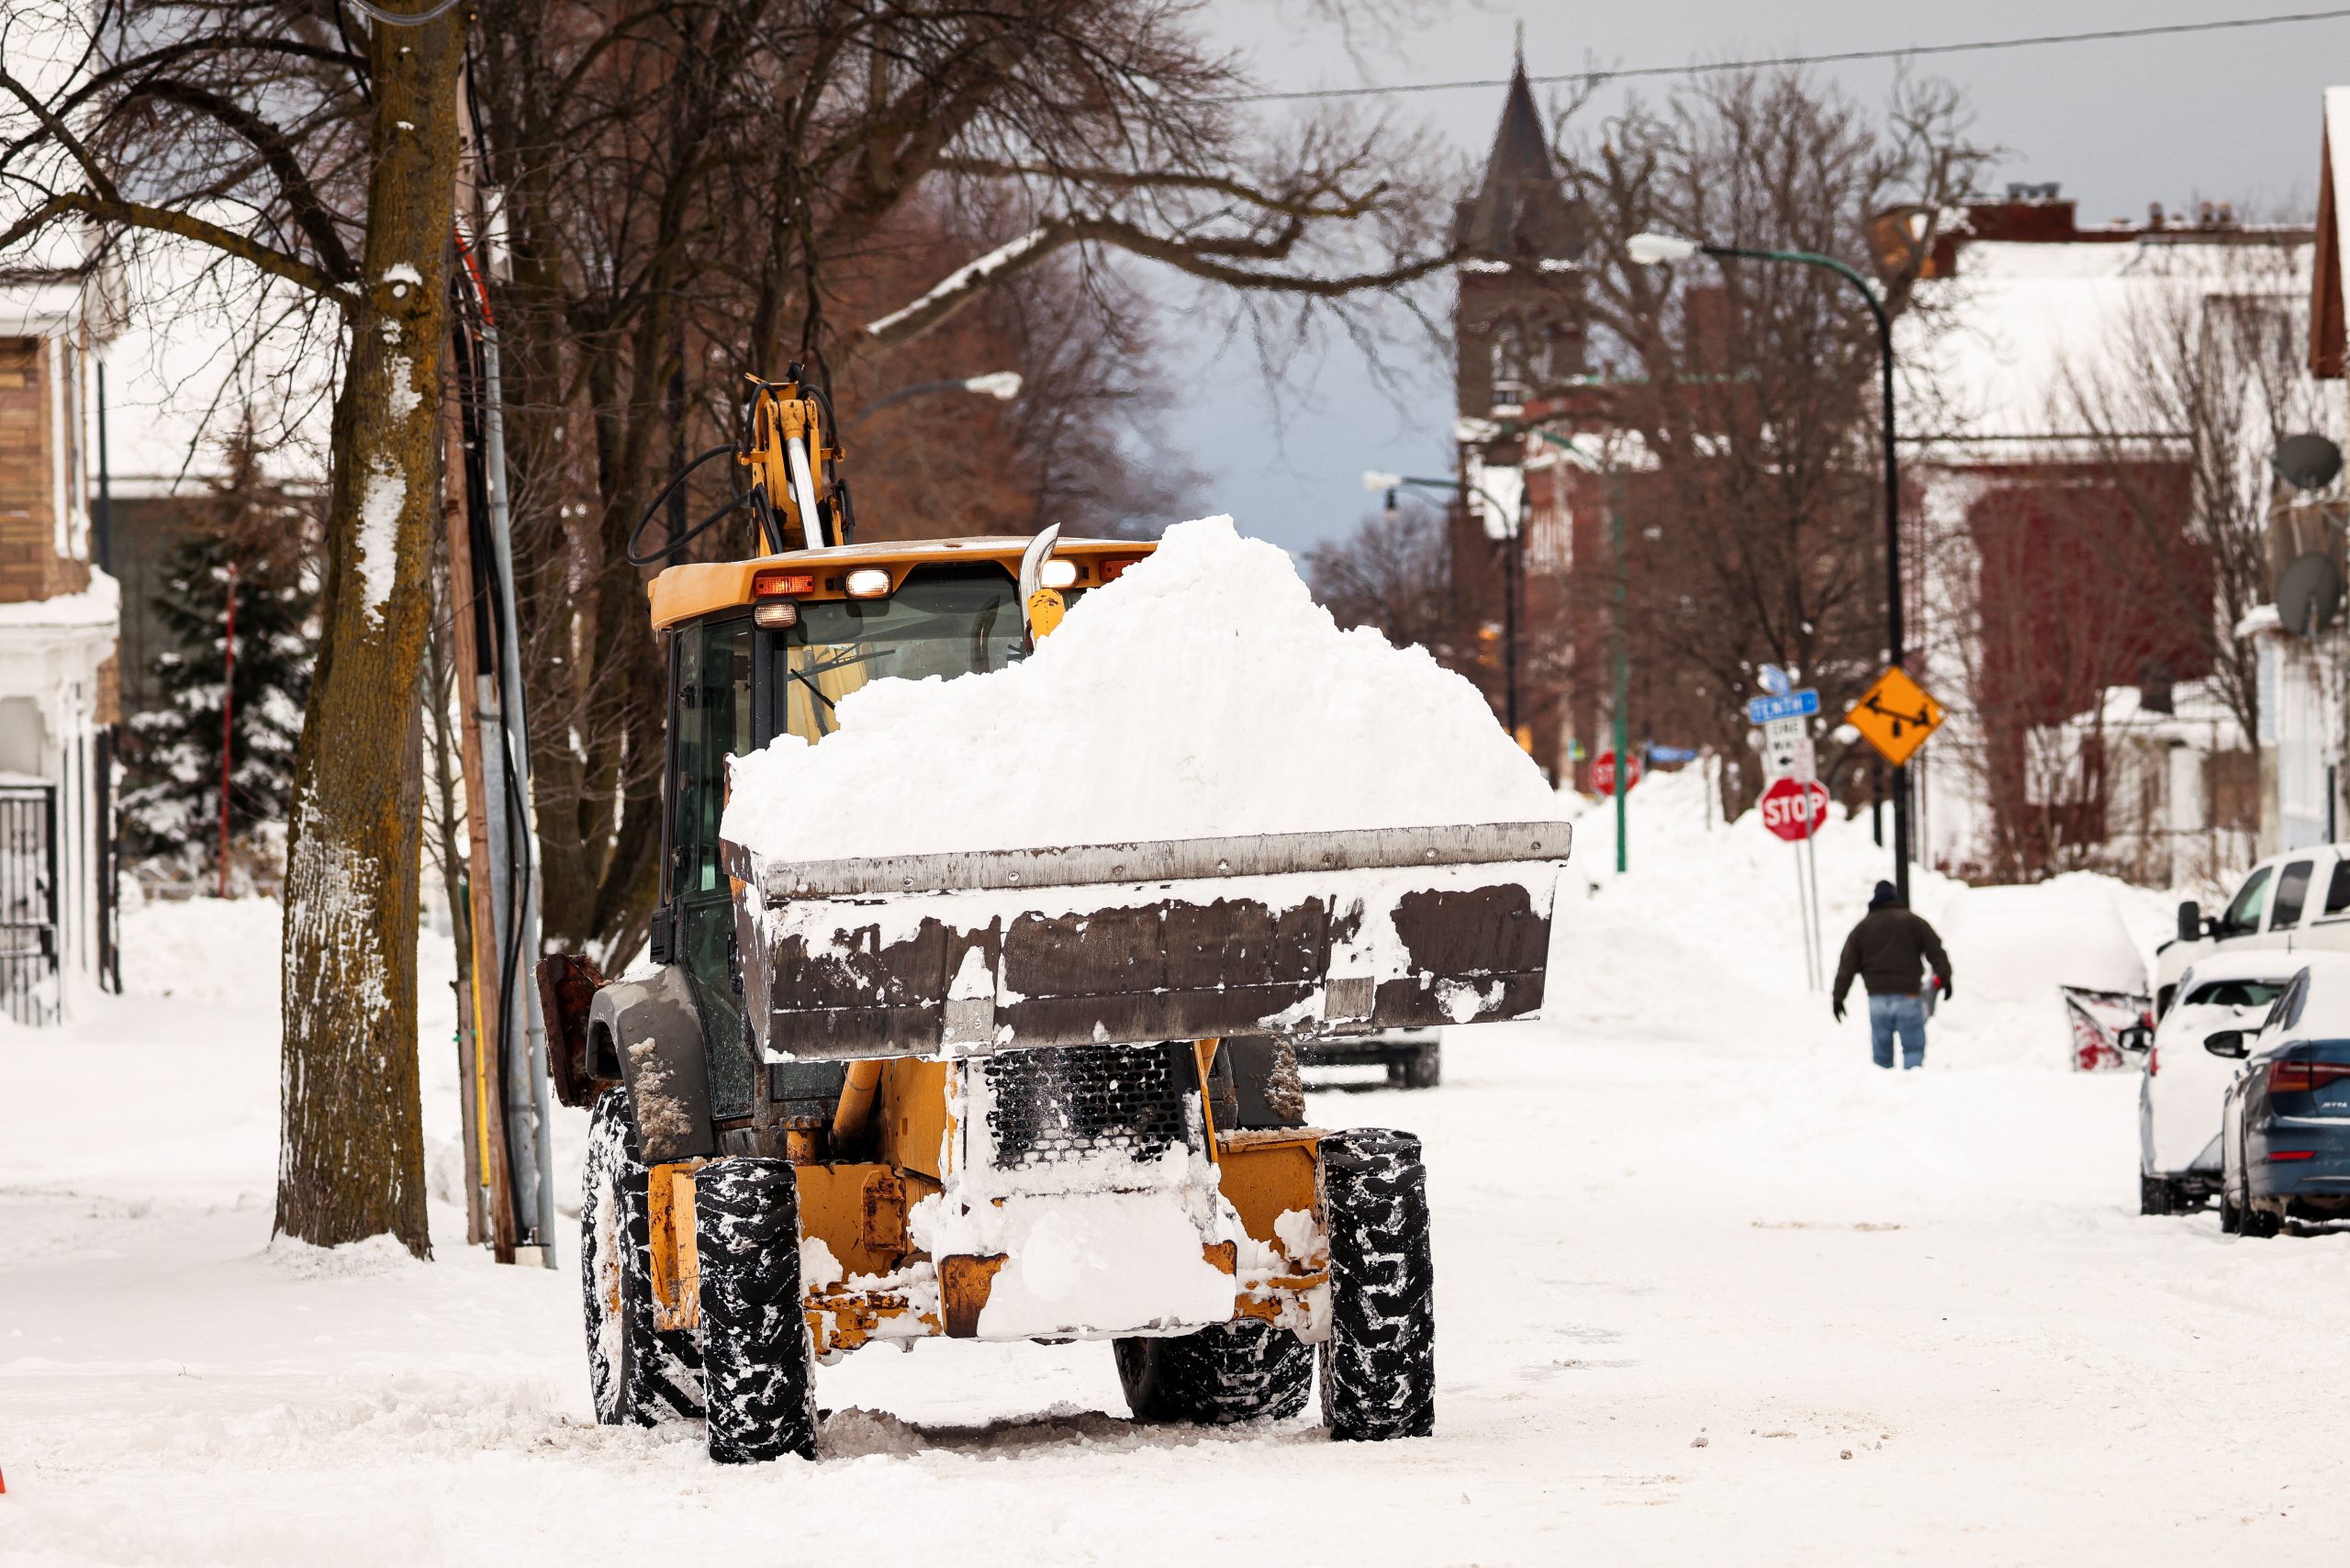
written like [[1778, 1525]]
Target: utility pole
[[1623, 674]]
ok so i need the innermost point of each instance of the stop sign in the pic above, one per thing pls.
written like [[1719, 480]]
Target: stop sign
[[1794, 811], [1603, 773]]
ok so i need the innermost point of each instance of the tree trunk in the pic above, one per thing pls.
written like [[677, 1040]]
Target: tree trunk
[[351, 1150]]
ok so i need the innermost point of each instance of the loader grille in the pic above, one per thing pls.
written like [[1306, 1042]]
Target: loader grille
[[1058, 1105]]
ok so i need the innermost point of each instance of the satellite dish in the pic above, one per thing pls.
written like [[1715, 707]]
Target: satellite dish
[[2309, 596], [2307, 462]]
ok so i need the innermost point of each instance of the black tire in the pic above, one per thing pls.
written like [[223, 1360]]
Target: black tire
[[1246, 1371], [2231, 1217], [757, 1364], [1378, 1363], [2257, 1222], [1424, 1068], [2157, 1196], [637, 1374]]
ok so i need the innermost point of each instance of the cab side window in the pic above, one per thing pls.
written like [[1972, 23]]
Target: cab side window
[[2337, 890], [2293, 892], [2243, 912]]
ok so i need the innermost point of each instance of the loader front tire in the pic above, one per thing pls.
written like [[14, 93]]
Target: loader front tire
[[1378, 1363], [757, 1363], [637, 1374], [1245, 1371]]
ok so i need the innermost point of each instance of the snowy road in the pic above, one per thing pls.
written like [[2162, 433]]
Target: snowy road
[[1711, 1290]]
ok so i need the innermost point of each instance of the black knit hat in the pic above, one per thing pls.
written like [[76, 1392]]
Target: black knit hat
[[1885, 894]]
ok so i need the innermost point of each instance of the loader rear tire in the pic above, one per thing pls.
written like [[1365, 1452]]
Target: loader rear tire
[[1246, 1371], [1378, 1363], [637, 1374], [757, 1362]]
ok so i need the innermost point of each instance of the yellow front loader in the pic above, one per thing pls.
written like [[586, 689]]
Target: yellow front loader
[[1047, 1093]]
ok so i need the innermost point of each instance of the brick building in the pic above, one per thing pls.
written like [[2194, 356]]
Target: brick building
[[60, 689]]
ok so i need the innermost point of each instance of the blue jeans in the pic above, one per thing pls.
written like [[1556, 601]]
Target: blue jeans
[[1905, 1015]]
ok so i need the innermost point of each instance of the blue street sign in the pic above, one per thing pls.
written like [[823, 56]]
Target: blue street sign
[[1774, 679], [1794, 705]]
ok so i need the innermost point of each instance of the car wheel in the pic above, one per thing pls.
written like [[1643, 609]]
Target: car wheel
[[2231, 1217], [2156, 1196], [2256, 1221]]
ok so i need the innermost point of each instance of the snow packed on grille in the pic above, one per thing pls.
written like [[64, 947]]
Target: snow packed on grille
[[1202, 693]]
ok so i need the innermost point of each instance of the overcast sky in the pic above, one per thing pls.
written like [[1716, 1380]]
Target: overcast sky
[[2221, 116]]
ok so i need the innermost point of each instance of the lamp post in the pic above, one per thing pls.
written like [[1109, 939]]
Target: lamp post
[[1003, 385], [1653, 250], [1512, 569]]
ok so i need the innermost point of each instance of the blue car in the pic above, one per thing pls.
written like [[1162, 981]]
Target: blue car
[[2285, 1124]]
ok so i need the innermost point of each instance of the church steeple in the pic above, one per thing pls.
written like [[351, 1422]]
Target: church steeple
[[1519, 212]]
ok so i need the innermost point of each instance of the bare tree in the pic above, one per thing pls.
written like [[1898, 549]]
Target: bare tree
[[1393, 572], [324, 161], [692, 192], [2180, 408], [1755, 530]]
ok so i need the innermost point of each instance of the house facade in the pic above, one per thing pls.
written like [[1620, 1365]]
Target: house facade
[[60, 673]]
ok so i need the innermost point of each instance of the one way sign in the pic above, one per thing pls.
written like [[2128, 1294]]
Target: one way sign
[[1896, 715]]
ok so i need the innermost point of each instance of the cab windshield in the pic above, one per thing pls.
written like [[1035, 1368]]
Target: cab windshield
[[942, 621]]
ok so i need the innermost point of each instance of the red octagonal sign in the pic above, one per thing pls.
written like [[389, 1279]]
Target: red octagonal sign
[[1794, 811]]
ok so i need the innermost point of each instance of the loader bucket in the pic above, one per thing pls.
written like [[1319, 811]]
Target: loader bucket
[[964, 954]]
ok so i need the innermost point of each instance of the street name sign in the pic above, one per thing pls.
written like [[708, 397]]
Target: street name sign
[[1896, 715], [1790, 705]]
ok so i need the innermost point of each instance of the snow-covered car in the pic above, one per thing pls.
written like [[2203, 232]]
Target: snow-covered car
[[1413, 1058], [2285, 1125], [2295, 902], [2181, 1086]]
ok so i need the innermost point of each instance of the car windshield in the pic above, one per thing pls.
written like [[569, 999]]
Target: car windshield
[[2234, 993], [941, 622]]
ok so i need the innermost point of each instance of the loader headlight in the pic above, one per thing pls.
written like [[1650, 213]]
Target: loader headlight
[[1058, 574], [868, 582], [776, 614]]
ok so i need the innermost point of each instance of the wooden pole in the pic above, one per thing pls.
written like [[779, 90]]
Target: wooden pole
[[484, 1090]]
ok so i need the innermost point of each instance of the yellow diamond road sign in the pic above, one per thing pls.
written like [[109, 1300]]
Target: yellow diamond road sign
[[1896, 715]]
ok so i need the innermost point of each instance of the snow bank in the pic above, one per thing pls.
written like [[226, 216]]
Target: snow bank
[[1202, 693]]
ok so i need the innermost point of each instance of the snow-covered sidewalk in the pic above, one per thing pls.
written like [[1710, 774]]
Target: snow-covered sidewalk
[[1711, 1290]]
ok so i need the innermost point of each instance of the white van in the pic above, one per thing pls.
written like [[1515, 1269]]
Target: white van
[[2296, 901]]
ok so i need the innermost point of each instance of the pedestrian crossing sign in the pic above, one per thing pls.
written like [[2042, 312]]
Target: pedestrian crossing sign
[[1896, 715]]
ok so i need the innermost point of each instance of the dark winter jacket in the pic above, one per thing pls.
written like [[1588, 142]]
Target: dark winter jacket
[[1888, 950]]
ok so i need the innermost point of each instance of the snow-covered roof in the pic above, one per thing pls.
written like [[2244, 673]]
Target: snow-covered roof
[[100, 604], [2024, 323]]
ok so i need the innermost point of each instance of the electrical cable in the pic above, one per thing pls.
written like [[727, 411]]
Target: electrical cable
[[396, 19], [2105, 35]]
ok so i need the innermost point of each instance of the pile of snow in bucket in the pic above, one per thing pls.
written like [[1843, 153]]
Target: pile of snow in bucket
[[1202, 693]]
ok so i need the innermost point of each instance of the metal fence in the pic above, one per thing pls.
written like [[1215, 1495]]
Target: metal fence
[[28, 938]]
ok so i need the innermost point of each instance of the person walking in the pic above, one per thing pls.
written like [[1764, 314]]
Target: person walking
[[1887, 951]]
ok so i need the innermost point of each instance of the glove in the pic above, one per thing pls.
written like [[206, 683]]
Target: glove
[[1945, 985], [1838, 1008]]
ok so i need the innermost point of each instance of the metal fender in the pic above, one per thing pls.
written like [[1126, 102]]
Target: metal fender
[[656, 1030]]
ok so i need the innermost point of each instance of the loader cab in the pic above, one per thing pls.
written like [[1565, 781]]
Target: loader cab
[[767, 647]]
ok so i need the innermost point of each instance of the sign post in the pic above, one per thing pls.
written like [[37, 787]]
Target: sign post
[[1793, 808]]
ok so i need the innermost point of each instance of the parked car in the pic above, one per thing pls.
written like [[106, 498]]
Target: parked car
[[2295, 902], [2285, 1125], [2181, 1086]]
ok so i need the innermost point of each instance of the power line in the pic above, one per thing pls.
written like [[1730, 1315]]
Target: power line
[[1843, 57]]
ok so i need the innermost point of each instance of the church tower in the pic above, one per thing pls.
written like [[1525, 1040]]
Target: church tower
[[1519, 322], [1519, 332]]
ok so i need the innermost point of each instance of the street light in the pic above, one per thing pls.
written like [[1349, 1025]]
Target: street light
[[1375, 479], [1003, 385], [1653, 250]]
